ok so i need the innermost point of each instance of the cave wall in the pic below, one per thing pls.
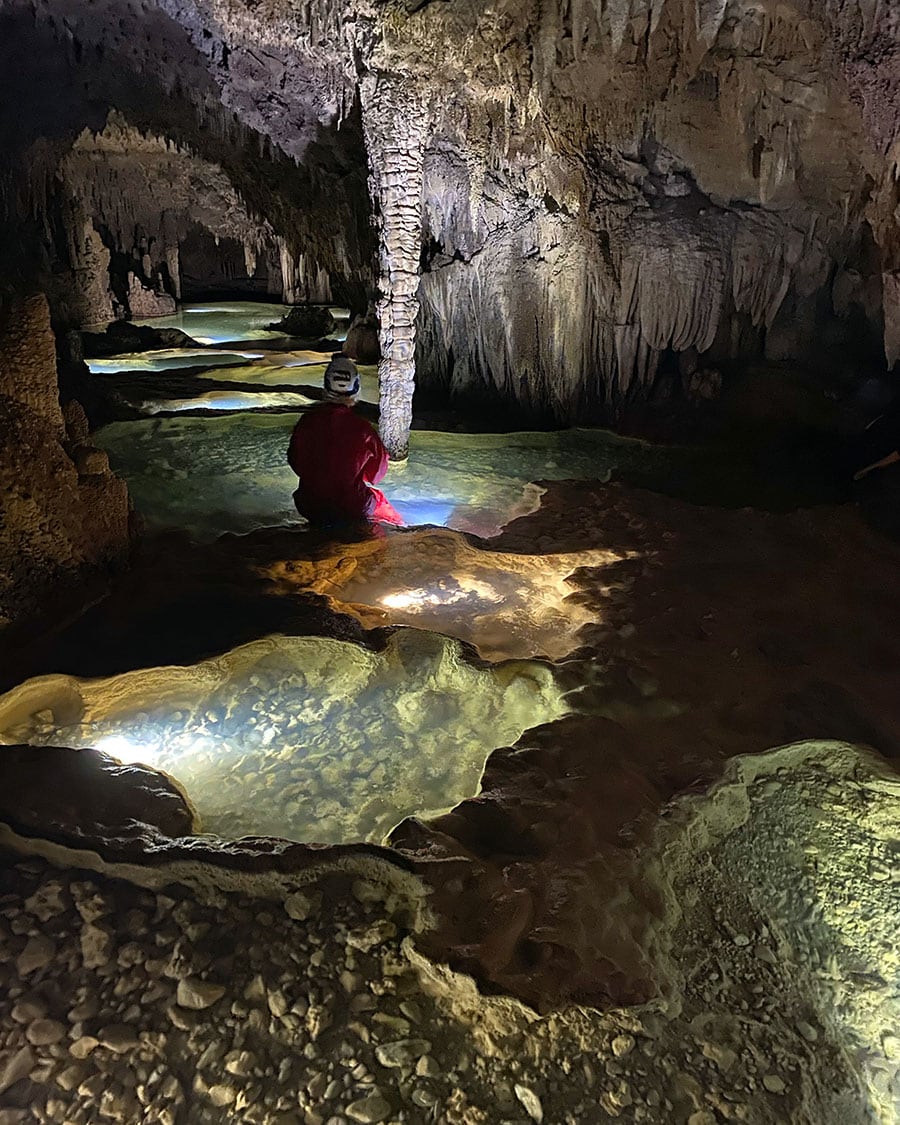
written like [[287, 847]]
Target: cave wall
[[127, 119], [607, 188], [64, 514], [625, 192]]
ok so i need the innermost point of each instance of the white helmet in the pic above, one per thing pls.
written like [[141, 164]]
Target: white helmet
[[341, 377]]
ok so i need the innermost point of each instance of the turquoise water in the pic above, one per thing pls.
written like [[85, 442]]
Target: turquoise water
[[212, 475], [223, 322], [225, 402], [170, 359]]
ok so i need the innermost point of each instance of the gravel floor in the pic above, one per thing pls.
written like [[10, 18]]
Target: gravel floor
[[128, 1004]]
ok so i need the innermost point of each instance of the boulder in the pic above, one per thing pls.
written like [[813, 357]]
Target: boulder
[[92, 795], [309, 322], [362, 343], [123, 336]]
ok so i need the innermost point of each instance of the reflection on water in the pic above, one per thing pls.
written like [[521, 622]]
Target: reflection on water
[[228, 320], [230, 474], [167, 359], [306, 738], [213, 401]]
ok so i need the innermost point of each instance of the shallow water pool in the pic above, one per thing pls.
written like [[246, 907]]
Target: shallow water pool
[[305, 738], [167, 359], [225, 321], [229, 474]]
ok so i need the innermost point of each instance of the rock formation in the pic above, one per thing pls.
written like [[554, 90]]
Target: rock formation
[[609, 185], [64, 513], [635, 910]]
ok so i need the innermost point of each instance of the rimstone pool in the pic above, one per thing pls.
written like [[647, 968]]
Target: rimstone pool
[[308, 739]]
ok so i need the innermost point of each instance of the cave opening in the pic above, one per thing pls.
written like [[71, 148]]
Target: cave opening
[[569, 798]]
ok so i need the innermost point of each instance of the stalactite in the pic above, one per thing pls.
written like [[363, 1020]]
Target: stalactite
[[667, 254], [250, 256], [128, 179], [290, 291]]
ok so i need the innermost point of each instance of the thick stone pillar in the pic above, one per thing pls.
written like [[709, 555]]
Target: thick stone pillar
[[87, 299], [63, 513], [395, 128]]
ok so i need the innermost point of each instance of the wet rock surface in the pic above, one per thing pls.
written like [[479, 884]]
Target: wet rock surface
[[309, 322], [123, 337], [694, 654], [57, 792], [203, 1001], [677, 649]]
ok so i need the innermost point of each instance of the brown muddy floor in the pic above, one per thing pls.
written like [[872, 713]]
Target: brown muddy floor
[[693, 634], [697, 635]]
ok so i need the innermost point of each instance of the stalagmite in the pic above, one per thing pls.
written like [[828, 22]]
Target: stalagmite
[[90, 267], [394, 123]]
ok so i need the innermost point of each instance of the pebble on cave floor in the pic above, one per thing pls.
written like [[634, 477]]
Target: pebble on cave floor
[[127, 1003]]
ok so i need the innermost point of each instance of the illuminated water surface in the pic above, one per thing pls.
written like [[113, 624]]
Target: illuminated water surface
[[226, 321], [307, 738], [167, 359], [229, 474]]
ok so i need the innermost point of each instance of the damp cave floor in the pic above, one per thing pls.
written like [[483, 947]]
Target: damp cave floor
[[611, 890], [712, 634]]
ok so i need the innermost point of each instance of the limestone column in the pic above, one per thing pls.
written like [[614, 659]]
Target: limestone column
[[395, 128], [88, 300]]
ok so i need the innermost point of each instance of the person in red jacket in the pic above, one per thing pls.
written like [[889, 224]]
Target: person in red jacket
[[339, 457]]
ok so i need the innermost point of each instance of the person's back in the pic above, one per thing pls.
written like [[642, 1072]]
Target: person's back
[[338, 456]]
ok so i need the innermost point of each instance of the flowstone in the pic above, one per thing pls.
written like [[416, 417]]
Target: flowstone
[[507, 605], [304, 738], [259, 1001]]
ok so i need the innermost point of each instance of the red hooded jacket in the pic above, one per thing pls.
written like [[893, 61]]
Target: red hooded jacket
[[335, 453]]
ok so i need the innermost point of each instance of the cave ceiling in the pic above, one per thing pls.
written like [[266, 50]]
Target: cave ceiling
[[737, 87], [745, 148]]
